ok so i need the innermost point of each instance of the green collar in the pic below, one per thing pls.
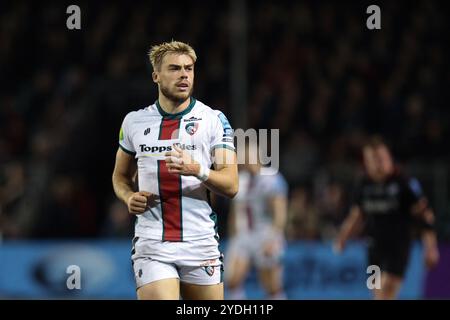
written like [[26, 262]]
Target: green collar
[[176, 115]]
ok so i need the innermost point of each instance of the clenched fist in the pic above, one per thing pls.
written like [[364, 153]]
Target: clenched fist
[[179, 161], [137, 202]]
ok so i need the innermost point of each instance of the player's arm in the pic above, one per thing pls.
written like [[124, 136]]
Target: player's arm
[[223, 180], [425, 217], [278, 206], [123, 183], [351, 225]]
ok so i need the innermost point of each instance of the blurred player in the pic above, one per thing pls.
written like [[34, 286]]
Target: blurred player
[[391, 205], [172, 145], [257, 222]]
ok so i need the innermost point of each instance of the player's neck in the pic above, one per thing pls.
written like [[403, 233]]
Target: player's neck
[[171, 106], [383, 178]]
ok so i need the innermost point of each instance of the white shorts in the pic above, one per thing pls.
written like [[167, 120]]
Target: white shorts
[[195, 262], [250, 245]]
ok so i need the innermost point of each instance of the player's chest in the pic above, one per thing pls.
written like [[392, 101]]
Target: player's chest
[[253, 190], [381, 198], [152, 138], [390, 190]]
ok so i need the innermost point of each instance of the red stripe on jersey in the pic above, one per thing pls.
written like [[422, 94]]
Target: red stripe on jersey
[[249, 217], [169, 129], [170, 188], [170, 195]]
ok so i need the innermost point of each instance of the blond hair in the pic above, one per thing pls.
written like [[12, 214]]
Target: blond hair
[[158, 52]]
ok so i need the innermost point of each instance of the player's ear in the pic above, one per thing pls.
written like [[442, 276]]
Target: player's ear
[[155, 77]]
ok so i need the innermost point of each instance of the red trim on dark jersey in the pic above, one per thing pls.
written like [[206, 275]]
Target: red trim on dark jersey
[[170, 188]]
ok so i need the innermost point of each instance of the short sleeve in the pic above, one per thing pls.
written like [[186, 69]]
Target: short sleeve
[[279, 186], [414, 190], [125, 142], [222, 133]]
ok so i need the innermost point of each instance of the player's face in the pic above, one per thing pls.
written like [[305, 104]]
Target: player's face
[[176, 77], [378, 162]]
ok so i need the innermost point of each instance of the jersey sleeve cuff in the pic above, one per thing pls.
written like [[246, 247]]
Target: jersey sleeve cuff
[[224, 146], [126, 150]]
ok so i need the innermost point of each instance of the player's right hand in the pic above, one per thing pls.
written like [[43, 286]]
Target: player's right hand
[[137, 202], [431, 255], [338, 246]]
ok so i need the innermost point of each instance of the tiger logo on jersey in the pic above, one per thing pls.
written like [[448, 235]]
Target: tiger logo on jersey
[[191, 128], [209, 270]]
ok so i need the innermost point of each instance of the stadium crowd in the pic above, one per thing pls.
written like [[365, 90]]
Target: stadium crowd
[[314, 71]]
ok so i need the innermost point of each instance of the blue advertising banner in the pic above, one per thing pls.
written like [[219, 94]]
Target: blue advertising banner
[[312, 271], [39, 269]]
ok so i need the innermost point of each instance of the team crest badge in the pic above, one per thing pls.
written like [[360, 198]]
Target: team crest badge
[[191, 127], [209, 270]]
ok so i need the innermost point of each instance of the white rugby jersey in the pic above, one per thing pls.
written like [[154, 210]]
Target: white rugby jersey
[[182, 211], [252, 211]]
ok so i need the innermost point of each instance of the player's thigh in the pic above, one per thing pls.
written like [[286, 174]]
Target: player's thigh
[[165, 289], [237, 260], [271, 277], [390, 285], [270, 265], [393, 262], [237, 267], [155, 279], [191, 291]]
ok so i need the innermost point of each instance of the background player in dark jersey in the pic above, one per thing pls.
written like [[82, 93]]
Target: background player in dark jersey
[[391, 204]]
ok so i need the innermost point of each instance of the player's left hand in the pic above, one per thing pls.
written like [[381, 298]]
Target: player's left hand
[[431, 256], [270, 248], [273, 245], [179, 161]]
